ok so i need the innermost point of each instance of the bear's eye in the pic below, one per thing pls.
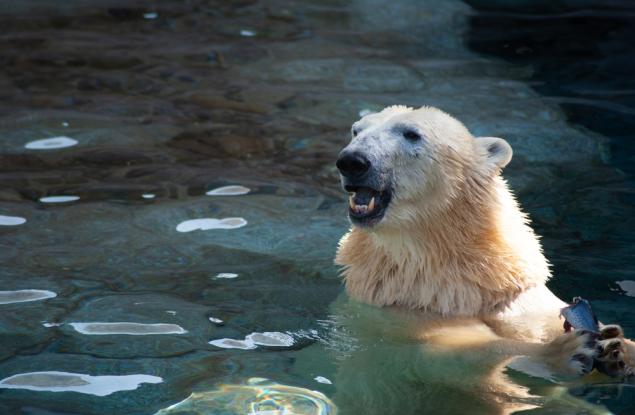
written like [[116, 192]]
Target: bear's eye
[[411, 135]]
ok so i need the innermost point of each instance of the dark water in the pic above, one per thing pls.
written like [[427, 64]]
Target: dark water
[[174, 99], [580, 56]]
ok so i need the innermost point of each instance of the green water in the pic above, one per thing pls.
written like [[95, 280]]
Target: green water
[[170, 100]]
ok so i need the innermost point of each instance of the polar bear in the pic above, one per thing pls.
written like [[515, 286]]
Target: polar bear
[[437, 233]]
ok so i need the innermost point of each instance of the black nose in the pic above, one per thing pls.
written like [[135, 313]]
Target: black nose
[[352, 164]]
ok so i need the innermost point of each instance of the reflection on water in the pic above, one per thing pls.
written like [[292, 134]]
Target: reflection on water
[[257, 397], [11, 220], [226, 275], [134, 329], [228, 191], [51, 143], [76, 382], [322, 379], [627, 286], [174, 108], [21, 296], [58, 199], [253, 340], [233, 344], [210, 223]]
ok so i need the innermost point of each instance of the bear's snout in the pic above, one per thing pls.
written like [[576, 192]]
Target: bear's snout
[[352, 164]]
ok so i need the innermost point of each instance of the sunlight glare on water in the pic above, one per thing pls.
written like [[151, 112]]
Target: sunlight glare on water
[[257, 397]]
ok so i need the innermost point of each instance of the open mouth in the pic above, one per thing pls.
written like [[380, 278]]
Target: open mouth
[[366, 206]]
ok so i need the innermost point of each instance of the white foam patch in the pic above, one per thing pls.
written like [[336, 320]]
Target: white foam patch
[[210, 223], [226, 275], [58, 199], [11, 220], [76, 382], [322, 379], [23, 296], [51, 143], [132, 329], [271, 339], [628, 287], [233, 344], [228, 191], [148, 196], [216, 320]]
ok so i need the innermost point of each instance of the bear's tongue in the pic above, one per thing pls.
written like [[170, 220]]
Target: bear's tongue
[[363, 195]]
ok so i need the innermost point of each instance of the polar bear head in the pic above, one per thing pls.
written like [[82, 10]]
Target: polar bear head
[[407, 165]]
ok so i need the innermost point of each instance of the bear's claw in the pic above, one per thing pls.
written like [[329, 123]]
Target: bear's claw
[[610, 355]]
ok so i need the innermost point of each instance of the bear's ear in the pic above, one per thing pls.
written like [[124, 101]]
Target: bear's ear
[[497, 151]]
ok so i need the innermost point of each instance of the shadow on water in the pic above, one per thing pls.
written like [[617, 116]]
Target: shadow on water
[[150, 109]]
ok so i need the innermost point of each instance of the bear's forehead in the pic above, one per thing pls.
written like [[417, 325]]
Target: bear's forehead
[[429, 119]]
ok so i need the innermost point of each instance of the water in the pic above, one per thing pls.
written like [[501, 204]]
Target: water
[[152, 111]]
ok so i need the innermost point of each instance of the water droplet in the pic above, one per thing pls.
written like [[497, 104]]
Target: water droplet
[[210, 223], [228, 191], [23, 296], [51, 143], [11, 220]]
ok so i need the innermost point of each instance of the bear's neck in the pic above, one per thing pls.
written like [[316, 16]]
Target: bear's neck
[[474, 259]]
